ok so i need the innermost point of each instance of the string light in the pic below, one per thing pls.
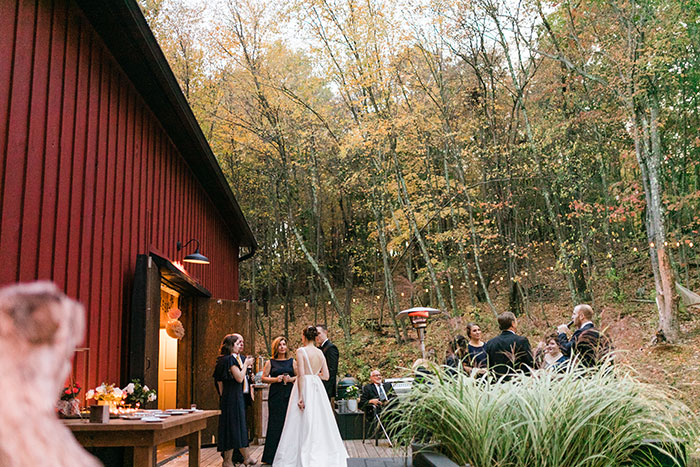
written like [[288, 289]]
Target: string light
[[377, 297], [329, 302], [651, 245], [306, 305], [402, 294], [282, 307], [690, 244], [634, 249]]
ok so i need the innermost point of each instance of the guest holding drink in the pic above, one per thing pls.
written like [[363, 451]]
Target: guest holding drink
[[475, 347], [280, 373], [230, 377]]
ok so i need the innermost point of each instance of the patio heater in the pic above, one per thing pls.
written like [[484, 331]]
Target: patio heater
[[419, 320]]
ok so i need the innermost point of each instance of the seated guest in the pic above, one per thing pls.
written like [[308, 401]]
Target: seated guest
[[475, 347], [508, 352], [376, 394], [553, 358], [422, 368]]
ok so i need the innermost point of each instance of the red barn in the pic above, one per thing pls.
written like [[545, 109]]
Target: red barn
[[103, 170]]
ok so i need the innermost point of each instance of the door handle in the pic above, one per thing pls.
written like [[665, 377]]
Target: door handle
[[148, 363]]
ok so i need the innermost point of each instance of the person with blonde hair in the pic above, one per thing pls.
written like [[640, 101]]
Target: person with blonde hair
[[280, 373]]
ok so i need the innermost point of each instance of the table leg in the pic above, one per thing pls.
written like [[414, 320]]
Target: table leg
[[194, 442], [143, 456]]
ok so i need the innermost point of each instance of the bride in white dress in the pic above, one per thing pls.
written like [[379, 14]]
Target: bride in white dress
[[310, 437]]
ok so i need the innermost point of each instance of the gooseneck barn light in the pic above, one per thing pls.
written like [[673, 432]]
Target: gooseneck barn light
[[195, 257]]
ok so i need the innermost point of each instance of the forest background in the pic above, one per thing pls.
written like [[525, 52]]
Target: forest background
[[476, 156]]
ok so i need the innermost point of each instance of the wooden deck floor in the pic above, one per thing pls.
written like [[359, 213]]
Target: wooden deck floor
[[356, 449]]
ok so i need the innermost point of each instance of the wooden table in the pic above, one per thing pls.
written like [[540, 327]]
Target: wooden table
[[144, 436]]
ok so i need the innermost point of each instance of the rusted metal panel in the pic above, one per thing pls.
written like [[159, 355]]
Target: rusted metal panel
[[89, 178]]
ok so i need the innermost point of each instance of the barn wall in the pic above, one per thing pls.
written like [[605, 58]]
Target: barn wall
[[89, 178]]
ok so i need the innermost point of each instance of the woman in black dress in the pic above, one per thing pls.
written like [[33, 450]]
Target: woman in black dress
[[475, 347], [280, 374], [229, 377]]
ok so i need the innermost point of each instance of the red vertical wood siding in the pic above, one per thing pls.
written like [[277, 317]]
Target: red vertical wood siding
[[89, 178]]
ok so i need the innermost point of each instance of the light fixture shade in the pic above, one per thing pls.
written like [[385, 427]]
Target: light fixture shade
[[196, 258]]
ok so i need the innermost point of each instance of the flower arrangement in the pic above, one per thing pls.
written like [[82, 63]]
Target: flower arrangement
[[70, 392], [351, 392], [106, 393], [138, 394]]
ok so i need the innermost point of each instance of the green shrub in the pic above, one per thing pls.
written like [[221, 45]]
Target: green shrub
[[581, 417]]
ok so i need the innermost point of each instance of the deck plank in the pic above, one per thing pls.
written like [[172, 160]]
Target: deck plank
[[370, 454]]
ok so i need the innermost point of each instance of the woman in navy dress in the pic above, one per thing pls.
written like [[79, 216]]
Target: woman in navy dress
[[229, 377], [280, 374], [475, 347]]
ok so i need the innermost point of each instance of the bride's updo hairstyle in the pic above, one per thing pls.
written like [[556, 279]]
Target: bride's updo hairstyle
[[310, 333]]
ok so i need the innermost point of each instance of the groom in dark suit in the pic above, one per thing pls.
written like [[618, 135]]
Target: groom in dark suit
[[508, 353], [330, 351]]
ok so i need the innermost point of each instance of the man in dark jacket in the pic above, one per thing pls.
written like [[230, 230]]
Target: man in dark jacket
[[330, 351], [508, 352], [375, 394], [587, 345]]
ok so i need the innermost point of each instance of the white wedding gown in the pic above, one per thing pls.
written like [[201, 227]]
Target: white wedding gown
[[310, 438]]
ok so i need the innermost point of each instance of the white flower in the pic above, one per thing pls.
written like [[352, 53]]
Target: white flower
[[145, 388], [129, 389], [101, 389], [151, 397], [117, 392], [90, 394]]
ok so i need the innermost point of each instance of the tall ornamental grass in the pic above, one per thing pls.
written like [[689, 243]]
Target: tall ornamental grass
[[591, 418]]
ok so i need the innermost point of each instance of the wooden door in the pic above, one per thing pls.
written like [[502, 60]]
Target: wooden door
[[144, 323], [214, 318], [167, 372]]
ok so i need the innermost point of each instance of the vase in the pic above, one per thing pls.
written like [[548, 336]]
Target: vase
[[68, 408], [352, 405]]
